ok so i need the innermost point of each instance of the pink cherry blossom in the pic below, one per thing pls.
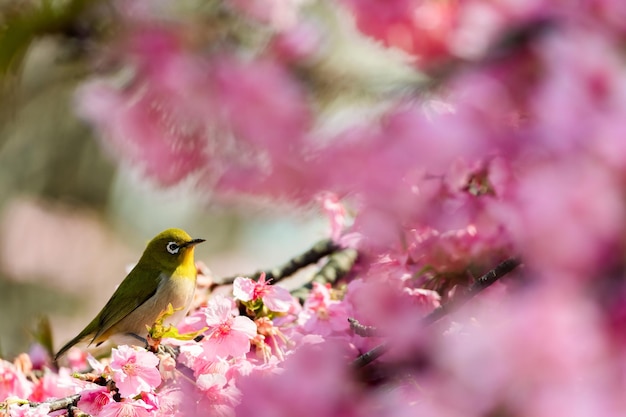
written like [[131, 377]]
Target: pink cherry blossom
[[322, 315], [229, 334], [134, 370], [92, 400], [276, 298], [136, 408]]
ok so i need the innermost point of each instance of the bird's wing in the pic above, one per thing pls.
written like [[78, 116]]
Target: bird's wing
[[139, 285]]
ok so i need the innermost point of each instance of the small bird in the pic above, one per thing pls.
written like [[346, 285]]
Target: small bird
[[166, 273]]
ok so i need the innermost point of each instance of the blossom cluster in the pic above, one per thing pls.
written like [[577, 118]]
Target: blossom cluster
[[209, 375], [440, 137]]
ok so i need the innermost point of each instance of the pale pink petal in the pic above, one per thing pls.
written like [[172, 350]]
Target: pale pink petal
[[134, 370], [277, 299], [243, 289], [125, 409], [231, 344], [244, 325], [219, 310]]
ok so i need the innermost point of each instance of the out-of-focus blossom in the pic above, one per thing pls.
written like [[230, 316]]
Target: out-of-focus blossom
[[26, 410], [336, 214], [559, 229], [418, 27], [220, 396], [13, 383], [54, 385], [314, 383]]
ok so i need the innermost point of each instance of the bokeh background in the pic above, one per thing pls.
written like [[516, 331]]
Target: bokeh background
[[72, 220]]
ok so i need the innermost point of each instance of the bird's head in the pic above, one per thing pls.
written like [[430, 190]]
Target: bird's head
[[172, 248]]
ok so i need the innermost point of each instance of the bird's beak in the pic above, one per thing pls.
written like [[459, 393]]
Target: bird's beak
[[193, 242]]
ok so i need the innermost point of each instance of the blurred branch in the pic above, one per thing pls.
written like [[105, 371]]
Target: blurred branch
[[318, 251], [23, 25], [336, 267], [511, 41], [474, 289], [361, 329]]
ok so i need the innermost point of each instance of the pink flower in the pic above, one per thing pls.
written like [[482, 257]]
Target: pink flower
[[93, 400], [134, 370], [275, 298], [228, 334], [125, 409]]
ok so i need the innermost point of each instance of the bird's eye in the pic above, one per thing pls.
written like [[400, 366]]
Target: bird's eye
[[172, 248]]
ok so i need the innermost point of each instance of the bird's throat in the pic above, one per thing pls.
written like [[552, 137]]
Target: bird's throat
[[187, 268]]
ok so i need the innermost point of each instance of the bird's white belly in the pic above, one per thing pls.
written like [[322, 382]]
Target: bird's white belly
[[179, 292]]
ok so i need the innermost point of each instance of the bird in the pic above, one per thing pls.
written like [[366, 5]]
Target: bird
[[165, 274]]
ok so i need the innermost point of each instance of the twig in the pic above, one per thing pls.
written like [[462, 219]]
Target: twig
[[59, 403], [475, 288], [362, 330], [73, 411], [318, 251], [370, 356]]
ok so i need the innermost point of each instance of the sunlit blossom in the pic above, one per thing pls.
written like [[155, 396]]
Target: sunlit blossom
[[228, 334], [276, 298], [134, 370]]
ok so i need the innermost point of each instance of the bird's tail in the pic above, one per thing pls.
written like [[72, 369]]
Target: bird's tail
[[70, 344]]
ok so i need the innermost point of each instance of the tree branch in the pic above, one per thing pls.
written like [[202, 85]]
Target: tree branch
[[59, 403], [318, 251], [475, 288], [337, 266]]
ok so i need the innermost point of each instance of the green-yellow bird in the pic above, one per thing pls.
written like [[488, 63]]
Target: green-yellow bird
[[165, 273]]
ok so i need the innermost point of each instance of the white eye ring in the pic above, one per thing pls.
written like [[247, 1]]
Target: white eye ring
[[172, 248]]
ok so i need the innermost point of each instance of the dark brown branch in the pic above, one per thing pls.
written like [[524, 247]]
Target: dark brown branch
[[318, 251], [475, 288], [337, 266]]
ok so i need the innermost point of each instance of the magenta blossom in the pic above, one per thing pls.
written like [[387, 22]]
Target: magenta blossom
[[134, 370], [228, 334], [274, 297]]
